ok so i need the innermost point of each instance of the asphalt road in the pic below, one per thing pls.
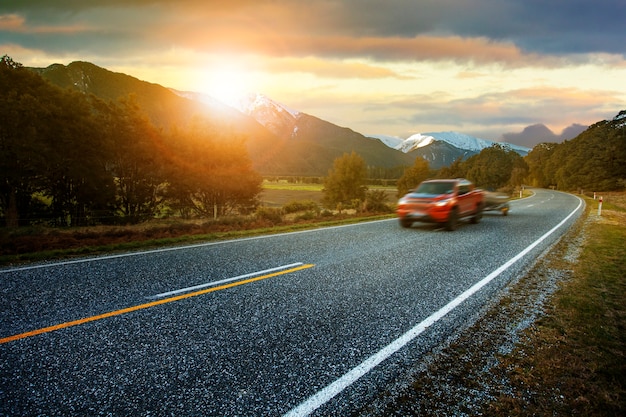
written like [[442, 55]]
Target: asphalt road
[[315, 322]]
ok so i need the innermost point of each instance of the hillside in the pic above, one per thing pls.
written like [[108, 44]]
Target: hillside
[[594, 160], [274, 152]]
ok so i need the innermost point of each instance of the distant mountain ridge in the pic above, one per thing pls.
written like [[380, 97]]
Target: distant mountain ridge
[[442, 148], [439, 148], [540, 133], [273, 148], [280, 141]]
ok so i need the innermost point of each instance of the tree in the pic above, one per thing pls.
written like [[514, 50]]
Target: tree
[[345, 182], [493, 167], [538, 160], [136, 164], [21, 151], [456, 170], [49, 147], [414, 175], [210, 175], [594, 160], [76, 176]]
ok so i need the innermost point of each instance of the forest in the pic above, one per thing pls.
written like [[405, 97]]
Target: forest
[[71, 159], [67, 159]]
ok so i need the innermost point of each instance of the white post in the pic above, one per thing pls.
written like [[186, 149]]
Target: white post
[[600, 207]]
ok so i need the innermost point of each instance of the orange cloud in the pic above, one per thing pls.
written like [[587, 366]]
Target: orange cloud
[[11, 22], [331, 69], [17, 24], [258, 38]]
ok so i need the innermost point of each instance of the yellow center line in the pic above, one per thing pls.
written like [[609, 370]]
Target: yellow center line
[[146, 305]]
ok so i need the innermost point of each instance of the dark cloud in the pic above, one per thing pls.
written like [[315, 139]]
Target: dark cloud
[[556, 27]]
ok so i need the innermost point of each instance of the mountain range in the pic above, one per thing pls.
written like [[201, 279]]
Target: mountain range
[[540, 133], [280, 141]]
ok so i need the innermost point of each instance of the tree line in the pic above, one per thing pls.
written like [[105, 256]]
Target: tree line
[[68, 159], [494, 168], [594, 160]]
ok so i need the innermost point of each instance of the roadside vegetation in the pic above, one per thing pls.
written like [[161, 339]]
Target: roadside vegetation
[[571, 362], [296, 210]]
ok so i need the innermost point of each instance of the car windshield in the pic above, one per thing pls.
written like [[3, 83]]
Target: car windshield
[[434, 188]]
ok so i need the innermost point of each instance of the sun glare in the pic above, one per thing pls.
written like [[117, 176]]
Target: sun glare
[[226, 84]]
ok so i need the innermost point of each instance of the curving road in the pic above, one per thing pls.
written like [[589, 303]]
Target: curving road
[[309, 323]]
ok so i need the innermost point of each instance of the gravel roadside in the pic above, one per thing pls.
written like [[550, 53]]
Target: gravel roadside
[[461, 379]]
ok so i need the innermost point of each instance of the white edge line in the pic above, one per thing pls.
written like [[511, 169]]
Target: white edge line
[[223, 281], [175, 248], [327, 393]]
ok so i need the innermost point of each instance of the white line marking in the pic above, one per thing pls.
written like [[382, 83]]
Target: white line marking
[[326, 394], [223, 281], [175, 248]]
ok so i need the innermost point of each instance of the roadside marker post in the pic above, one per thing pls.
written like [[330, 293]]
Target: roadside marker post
[[600, 206]]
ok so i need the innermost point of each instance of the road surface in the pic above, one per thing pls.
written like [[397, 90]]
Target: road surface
[[308, 323]]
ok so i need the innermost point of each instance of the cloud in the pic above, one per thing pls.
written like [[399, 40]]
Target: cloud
[[17, 24], [11, 23], [504, 31], [331, 68], [487, 66]]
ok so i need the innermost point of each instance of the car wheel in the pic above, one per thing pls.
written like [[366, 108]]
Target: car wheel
[[478, 215], [453, 220], [406, 223]]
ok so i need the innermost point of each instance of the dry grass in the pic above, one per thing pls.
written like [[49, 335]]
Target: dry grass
[[572, 361]]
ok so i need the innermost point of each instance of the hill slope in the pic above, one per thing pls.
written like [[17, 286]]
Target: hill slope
[[311, 151]]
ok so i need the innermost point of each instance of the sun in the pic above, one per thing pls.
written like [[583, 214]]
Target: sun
[[227, 84]]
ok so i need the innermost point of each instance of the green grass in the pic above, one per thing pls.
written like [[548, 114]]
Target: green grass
[[292, 186], [572, 362]]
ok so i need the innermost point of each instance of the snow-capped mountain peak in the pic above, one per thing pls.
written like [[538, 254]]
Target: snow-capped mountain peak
[[458, 140], [254, 102], [276, 117], [405, 145]]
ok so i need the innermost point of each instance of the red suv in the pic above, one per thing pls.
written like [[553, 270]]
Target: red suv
[[442, 201]]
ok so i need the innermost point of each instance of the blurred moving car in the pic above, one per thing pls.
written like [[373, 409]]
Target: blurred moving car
[[444, 201], [497, 202]]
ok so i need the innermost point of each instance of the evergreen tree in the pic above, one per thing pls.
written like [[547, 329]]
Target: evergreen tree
[[22, 152], [75, 171], [538, 160], [594, 160]]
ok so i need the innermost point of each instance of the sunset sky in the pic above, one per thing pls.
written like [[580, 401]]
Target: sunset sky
[[396, 67]]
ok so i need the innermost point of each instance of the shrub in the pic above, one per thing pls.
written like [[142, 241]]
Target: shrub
[[308, 215], [273, 215], [376, 201], [304, 205]]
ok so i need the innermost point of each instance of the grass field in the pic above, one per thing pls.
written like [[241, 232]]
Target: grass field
[[279, 193], [572, 361]]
